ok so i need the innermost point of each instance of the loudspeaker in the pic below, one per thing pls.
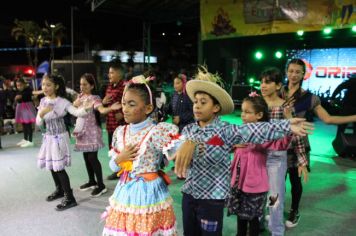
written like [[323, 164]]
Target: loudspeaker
[[345, 144]]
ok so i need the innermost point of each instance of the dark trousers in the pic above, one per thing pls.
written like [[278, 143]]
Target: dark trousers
[[27, 131], [254, 227], [110, 140], [296, 187], [202, 216], [93, 166]]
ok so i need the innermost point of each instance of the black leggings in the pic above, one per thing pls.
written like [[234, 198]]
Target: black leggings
[[296, 187], [27, 132], [93, 166], [61, 180], [110, 139], [254, 226]]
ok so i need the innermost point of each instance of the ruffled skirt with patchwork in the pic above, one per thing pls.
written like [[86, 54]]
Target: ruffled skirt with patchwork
[[140, 208]]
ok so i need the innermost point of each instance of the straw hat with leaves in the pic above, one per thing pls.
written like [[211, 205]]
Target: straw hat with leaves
[[211, 84]]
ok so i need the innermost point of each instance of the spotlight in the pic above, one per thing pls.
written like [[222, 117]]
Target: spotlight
[[278, 54], [327, 30], [258, 55], [300, 33]]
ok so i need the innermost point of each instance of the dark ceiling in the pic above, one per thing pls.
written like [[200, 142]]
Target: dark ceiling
[[155, 11], [111, 24]]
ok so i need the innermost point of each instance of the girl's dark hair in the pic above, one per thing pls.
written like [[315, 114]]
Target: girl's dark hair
[[143, 92], [59, 81], [300, 62], [92, 81], [21, 80], [259, 105], [272, 74]]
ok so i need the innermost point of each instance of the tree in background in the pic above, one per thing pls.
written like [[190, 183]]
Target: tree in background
[[36, 37]]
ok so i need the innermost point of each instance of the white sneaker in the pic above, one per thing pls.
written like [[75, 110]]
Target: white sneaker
[[28, 144], [21, 142]]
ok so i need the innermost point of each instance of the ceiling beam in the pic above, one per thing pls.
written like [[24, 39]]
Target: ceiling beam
[[96, 3]]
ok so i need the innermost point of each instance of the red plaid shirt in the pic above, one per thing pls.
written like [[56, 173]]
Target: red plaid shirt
[[297, 144], [115, 91]]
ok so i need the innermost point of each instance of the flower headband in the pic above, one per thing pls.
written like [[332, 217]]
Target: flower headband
[[253, 94], [140, 79]]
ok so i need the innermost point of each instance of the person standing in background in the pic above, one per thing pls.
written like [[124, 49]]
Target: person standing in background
[[181, 107], [113, 94], [25, 112]]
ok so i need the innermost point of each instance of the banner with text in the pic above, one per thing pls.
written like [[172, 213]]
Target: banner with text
[[237, 18]]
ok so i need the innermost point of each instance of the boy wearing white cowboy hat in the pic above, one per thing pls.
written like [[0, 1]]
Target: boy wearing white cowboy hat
[[208, 177]]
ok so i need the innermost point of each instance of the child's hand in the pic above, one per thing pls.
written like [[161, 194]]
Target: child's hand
[[287, 111], [44, 111], [88, 105], [176, 120], [183, 157], [107, 99], [77, 103], [128, 154], [18, 97], [300, 127], [116, 106], [302, 170]]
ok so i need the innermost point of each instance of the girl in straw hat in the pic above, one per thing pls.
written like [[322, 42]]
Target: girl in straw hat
[[207, 181]]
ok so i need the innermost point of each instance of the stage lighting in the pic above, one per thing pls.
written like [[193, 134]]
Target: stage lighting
[[353, 28], [327, 30], [258, 55], [278, 54], [251, 80], [300, 33]]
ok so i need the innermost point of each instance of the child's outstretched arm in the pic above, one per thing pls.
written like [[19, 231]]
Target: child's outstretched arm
[[105, 110], [264, 131], [82, 111]]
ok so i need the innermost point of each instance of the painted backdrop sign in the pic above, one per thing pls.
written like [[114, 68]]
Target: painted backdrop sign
[[236, 18]]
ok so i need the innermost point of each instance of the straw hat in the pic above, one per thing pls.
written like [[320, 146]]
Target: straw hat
[[208, 83]]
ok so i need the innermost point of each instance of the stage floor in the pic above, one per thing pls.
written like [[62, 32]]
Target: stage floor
[[328, 205]]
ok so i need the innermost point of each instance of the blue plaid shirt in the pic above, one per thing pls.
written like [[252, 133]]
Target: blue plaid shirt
[[209, 173]]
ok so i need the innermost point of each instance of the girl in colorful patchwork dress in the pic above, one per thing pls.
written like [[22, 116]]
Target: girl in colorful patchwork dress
[[141, 203], [88, 134], [25, 112], [54, 154]]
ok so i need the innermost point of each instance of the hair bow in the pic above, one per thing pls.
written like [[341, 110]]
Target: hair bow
[[253, 94]]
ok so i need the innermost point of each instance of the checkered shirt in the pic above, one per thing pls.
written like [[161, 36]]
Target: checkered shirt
[[209, 173], [116, 91], [298, 143]]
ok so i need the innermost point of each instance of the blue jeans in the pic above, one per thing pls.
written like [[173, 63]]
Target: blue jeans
[[276, 169]]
